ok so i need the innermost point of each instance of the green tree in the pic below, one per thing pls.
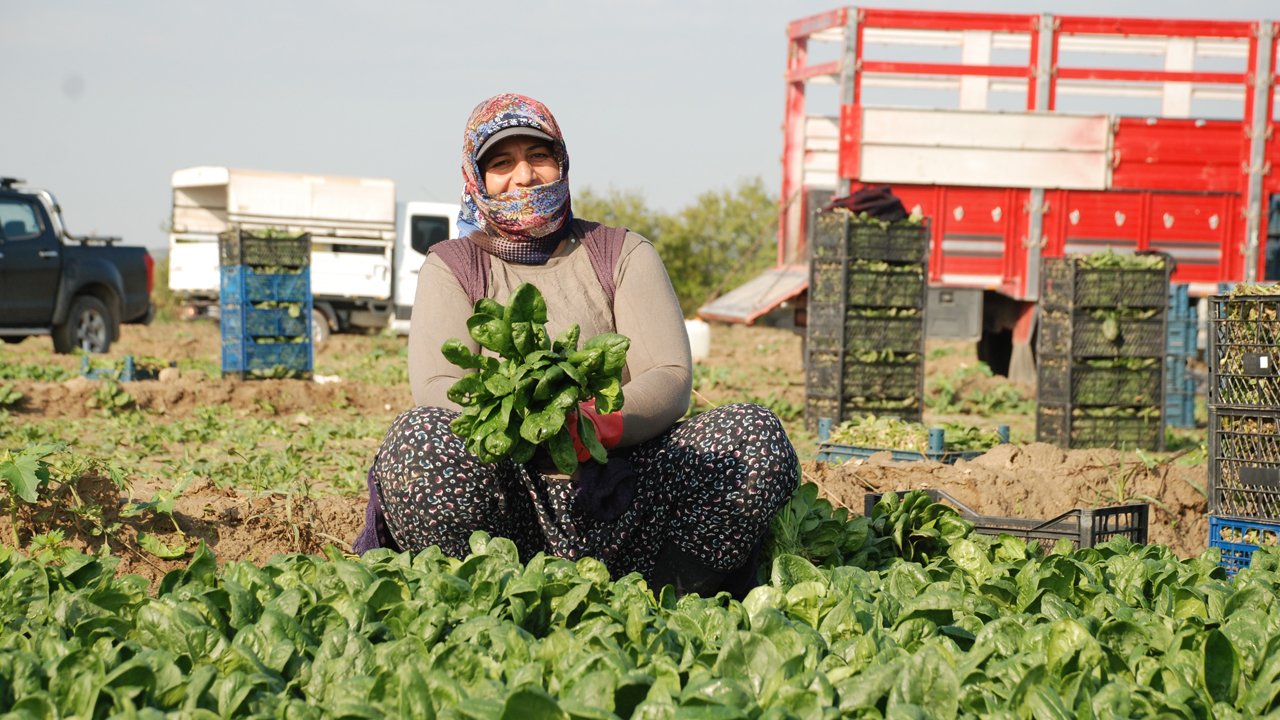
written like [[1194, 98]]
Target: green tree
[[620, 208], [720, 241]]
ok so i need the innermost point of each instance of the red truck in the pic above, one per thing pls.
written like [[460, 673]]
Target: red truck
[[1024, 136]]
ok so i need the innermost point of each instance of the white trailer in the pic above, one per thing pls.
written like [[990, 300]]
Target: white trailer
[[363, 272]]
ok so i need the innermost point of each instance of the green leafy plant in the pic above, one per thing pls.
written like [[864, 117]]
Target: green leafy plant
[[522, 399], [24, 475], [9, 395], [161, 504], [109, 398]]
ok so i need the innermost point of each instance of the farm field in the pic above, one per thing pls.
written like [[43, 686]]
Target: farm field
[[258, 467], [216, 514]]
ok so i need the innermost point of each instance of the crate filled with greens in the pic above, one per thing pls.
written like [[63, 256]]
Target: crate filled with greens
[[1105, 280], [1244, 463], [1082, 527], [864, 344], [1237, 540], [265, 303], [844, 235], [1244, 347], [1101, 350], [1126, 428], [862, 437]]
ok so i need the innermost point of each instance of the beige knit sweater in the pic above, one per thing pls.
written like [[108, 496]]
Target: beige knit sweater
[[659, 374]]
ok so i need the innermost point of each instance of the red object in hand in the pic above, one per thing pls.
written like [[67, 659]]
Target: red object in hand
[[608, 428]]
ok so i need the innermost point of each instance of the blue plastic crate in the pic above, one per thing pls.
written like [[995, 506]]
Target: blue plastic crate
[[1228, 535], [242, 285], [128, 371], [1176, 373], [1180, 407], [838, 453], [240, 321], [1181, 337], [1180, 305], [245, 355]]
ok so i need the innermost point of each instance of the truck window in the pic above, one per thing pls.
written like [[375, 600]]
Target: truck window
[[427, 230], [18, 220]]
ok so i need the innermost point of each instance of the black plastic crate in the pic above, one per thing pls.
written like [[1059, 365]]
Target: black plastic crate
[[845, 281], [1084, 527], [1244, 347], [826, 375], [1080, 335], [1244, 463], [839, 234], [818, 408], [1063, 379], [833, 328], [263, 250], [1067, 426], [1067, 284]]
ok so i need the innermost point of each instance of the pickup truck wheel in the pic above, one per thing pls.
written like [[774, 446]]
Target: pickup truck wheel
[[89, 326], [319, 328]]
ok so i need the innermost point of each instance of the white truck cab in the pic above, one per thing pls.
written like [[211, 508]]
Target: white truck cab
[[424, 224]]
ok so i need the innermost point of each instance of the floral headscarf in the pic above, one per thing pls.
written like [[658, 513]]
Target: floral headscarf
[[521, 223]]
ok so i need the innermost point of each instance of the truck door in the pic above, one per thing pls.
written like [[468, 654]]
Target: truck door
[[30, 260]]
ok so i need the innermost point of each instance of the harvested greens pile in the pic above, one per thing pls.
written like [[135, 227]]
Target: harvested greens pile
[[521, 399], [871, 431]]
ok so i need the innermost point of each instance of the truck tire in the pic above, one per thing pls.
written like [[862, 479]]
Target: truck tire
[[320, 329], [89, 326]]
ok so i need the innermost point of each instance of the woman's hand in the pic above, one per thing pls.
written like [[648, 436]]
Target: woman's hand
[[608, 427]]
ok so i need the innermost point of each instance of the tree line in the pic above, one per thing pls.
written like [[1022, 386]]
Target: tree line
[[717, 242]]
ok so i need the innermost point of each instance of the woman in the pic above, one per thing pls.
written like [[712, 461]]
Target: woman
[[683, 503]]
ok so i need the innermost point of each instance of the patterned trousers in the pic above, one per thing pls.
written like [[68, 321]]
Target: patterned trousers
[[711, 485]]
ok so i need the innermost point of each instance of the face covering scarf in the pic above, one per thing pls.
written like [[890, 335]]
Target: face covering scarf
[[521, 225]]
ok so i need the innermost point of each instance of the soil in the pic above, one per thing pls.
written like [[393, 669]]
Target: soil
[[1024, 479]]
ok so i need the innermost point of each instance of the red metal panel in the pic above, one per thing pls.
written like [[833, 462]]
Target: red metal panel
[[812, 71], [1095, 73], [791, 201], [804, 27], [920, 68], [1086, 25], [1176, 154], [1193, 229], [1090, 221], [972, 228], [932, 20]]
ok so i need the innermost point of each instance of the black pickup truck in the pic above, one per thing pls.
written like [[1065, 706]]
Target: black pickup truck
[[77, 289]]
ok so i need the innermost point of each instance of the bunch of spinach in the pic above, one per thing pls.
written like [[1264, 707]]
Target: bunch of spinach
[[523, 398]]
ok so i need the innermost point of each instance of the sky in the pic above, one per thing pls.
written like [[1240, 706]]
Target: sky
[[667, 98]]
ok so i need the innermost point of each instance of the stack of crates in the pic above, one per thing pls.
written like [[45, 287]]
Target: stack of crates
[[1244, 425], [864, 347], [1101, 354], [1179, 385], [265, 298]]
